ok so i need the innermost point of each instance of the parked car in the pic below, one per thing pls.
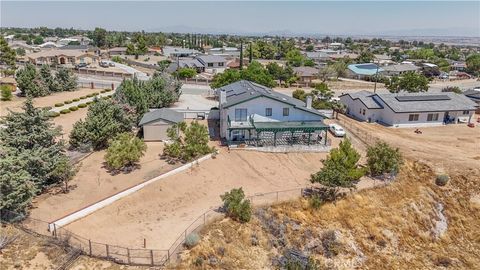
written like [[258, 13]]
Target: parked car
[[103, 64], [81, 65], [337, 130], [111, 64]]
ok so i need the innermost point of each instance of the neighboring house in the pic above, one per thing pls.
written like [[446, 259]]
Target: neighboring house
[[155, 123], [10, 82], [306, 74], [117, 51], [318, 57], [255, 114], [459, 66], [409, 109], [213, 63], [363, 71], [399, 69], [61, 57], [474, 95], [186, 63], [230, 52], [83, 48], [174, 52]]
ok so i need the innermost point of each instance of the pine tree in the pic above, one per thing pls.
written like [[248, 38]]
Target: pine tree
[[7, 57], [250, 57], [45, 74], [30, 83], [241, 54], [66, 80]]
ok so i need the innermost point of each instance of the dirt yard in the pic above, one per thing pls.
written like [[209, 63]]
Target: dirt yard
[[93, 182], [161, 211], [453, 146], [17, 102]]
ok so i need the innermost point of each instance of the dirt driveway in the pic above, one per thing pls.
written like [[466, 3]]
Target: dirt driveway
[[161, 211]]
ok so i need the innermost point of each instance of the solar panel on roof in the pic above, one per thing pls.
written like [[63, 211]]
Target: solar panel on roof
[[423, 98]]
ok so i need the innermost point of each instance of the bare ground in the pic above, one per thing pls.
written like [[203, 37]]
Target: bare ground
[[94, 182], [161, 211]]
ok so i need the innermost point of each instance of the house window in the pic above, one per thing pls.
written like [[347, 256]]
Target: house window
[[412, 117], [466, 112], [432, 117], [220, 64], [286, 111], [268, 112], [210, 64], [240, 114], [363, 112]]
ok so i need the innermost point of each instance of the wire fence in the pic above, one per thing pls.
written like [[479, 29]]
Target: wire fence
[[364, 136], [96, 85]]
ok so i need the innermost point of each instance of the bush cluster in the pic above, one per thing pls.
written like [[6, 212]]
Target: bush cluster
[[53, 114], [83, 105], [192, 240], [59, 104], [75, 99], [442, 179], [65, 111], [73, 108], [236, 206], [67, 101]]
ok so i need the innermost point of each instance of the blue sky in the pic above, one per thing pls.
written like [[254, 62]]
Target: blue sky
[[444, 18]]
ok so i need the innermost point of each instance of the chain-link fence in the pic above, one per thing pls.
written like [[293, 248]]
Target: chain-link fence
[[97, 85], [362, 135]]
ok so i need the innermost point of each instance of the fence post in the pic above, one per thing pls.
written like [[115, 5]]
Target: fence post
[[128, 255], [151, 256], [91, 85], [204, 218], [55, 230], [301, 192], [90, 247], [277, 196], [168, 255], [106, 247], [113, 87]]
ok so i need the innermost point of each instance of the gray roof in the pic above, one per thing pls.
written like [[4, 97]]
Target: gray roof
[[473, 94], [401, 68], [211, 59], [427, 102], [316, 55], [190, 63], [161, 114], [366, 98], [241, 91], [305, 71]]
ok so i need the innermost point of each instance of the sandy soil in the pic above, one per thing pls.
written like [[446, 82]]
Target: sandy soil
[[93, 183], [340, 87], [453, 146], [16, 103], [66, 121], [164, 209]]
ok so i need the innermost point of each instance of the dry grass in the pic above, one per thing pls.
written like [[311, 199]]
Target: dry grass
[[384, 228]]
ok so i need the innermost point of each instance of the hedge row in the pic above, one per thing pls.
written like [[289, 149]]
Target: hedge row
[[65, 111], [59, 104], [83, 105]]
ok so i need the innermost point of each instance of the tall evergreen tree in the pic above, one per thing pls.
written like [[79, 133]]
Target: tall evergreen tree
[[241, 54]]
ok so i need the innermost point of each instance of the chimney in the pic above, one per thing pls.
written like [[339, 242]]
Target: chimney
[[309, 102], [223, 97]]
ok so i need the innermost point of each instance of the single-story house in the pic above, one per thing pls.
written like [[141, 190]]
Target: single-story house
[[255, 114], [123, 51], [83, 48], [409, 109], [363, 71], [225, 51], [10, 82], [213, 63], [62, 57], [174, 52], [399, 69], [317, 56], [458, 66], [474, 95], [155, 123], [306, 74]]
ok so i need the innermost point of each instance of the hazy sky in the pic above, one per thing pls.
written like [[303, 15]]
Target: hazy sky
[[341, 17]]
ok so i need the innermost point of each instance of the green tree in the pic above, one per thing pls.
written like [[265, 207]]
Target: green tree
[[16, 184], [295, 58], [454, 89], [309, 48], [99, 37], [340, 68], [365, 57], [188, 142], [383, 159], [130, 49], [411, 82], [30, 135], [473, 63], [124, 151], [117, 59], [105, 119], [38, 40], [67, 81], [163, 65], [255, 72], [48, 79], [340, 169], [79, 137], [30, 83], [236, 206], [20, 51], [7, 56], [186, 73], [227, 77], [6, 93], [141, 46]]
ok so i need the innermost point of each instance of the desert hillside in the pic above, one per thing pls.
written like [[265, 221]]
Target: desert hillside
[[410, 224]]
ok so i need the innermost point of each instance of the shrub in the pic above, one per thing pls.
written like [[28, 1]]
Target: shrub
[[6, 93], [315, 201], [89, 102], [73, 108], [96, 93], [79, 137], [53, 114], [382, 159], [236, 206], [442, 179], [192, 240], [83, 105], [48, 108], [83, 97], [59, 104], [124, 151], [67, 101], [90, 95], [198, 261], [331, 244], [65, 111], [75, 99]]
